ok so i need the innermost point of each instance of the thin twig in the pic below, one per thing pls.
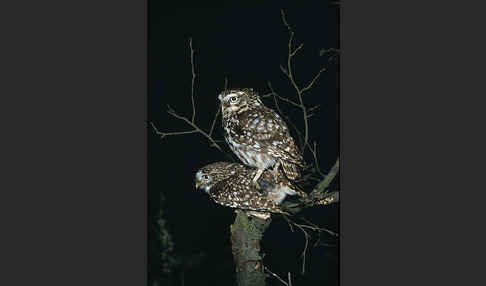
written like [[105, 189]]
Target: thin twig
[[306, 236], [313, 108], [302, 227], [214, 120], [314, 153], [313, 80], [289, 223], [314, 227], [275, 96], [219, 109], [297, 49], [196, 128], [289, 73], [276, 276], [287, 100], [163, 134], [191, 122]]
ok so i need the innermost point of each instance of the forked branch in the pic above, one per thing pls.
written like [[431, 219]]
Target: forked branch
[[191, 122]]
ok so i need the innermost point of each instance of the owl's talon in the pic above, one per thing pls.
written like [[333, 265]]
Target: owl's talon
[[256, 185], [275, 169], [255, 179]]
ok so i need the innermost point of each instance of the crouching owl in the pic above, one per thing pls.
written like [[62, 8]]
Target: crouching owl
[[230, 184]]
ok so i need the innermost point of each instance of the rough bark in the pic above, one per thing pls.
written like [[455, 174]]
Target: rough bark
[[246, 234]]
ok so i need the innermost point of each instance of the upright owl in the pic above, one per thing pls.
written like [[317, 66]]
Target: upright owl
[[230, 184], [257, 134]]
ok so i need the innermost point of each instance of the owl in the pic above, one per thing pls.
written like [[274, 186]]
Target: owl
[[230, 184], [258, 135]]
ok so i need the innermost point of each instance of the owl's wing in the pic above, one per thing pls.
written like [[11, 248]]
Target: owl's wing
[[270, 180], [239, 192], [268, 131]]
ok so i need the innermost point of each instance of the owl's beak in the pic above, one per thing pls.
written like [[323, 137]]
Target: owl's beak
[[197, 185]]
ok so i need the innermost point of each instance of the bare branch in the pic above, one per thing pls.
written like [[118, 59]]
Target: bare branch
[[314, 227], [303, 228], [313, 108], [214, 120], [191, 122], [306, 123], [306, 236], [288, 72], [283, 98], [313, 80], [163, 134], [276, 276], [296, 50], [219, 109], [197, 129], [291, 33], [275, 96], [326, 181], [316, 163]]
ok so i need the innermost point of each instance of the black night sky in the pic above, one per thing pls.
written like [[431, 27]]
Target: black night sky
[[246, 45]]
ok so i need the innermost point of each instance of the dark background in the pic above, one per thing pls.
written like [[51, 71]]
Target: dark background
[[246, 45]]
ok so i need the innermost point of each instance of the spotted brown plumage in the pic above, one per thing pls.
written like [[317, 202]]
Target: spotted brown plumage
[[230, 184], [257, 134]]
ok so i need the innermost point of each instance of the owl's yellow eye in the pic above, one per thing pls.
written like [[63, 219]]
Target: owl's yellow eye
[[233, 99], [205, 177]]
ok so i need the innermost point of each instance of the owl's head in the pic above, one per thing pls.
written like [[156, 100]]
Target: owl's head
[[211, 174], [238, 100]]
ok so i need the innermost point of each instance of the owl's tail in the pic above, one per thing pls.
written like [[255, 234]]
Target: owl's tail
[[328, 199], [291, 170]]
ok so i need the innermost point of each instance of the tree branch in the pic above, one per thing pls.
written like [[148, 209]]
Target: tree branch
[[303, 228], [275, 96], [219, 109], [318, 196], [163, 134], [313, 80], [319, 189], [316, 163], [191, 122], [199, 130], [289, 283], [289, 73]]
